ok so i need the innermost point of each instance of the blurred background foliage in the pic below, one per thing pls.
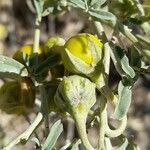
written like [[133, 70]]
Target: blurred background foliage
[[16, 29]]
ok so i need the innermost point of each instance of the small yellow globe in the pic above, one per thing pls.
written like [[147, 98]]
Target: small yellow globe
[[17, 97], [28, 50], [53, 45], [81, 46]]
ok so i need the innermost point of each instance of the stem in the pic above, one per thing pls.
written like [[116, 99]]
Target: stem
[[119, 130], [103, 123], [36, 34], [81, 127], [23, 138], [108, 145], [45, 109]]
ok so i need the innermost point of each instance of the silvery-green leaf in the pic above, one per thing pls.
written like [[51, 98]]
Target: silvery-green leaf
[[123, 145], [124, 62], [97, 3], [55, 132], [77, 3], [51, 7], [101, 15], [38, 6], [146, 27], [9, 66], [124, 100], [143, 38], [76, 145]]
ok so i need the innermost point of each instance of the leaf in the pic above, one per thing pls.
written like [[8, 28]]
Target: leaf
[[76, 145], [126, 144], [36, 142], [97, 3], [123, 146], [38, 6], [55, 132], [72, 146], [124, 62], [49, 7], [102, 15], [77, 3], [9, 66], [50, 62], [124, 100]]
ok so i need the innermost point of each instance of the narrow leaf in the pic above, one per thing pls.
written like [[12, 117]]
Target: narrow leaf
[[38, 6], [124, 100], [77, 3], [9, 66], [123, 146], [76, 145], [123, 61], [55, 132], [97, 3], [102, 15]]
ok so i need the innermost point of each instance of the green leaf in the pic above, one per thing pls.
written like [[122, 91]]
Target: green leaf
[[72, 146], [55, 132], [123, 146], [49, 7], [76, 145], [97, 3], [38, 6], [124, 62], [9, 66], [124, 100], [101, 15], [50, 62], [77, 3]]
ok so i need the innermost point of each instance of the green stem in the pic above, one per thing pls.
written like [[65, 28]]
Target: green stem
[[103, 123], [45, 109], [81, 127], [36, 34], [117, 132]]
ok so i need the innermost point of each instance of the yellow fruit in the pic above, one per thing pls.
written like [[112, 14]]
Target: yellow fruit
[[53, 45], [81, 45], [27, 92], [10, 98], [3, 32], [28, 50], [17, 97]]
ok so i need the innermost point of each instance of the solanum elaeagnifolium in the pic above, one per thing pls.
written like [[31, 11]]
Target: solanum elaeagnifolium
[[76, 95], [27, 50], [82, 53], [16, 97]]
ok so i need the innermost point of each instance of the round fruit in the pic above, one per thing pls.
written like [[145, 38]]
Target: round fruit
[[81, 45], [28, 50]]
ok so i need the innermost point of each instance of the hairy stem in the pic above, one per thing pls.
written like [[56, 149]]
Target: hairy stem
[[119, 130], [81, 127], [103, 124], [36, 34]]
